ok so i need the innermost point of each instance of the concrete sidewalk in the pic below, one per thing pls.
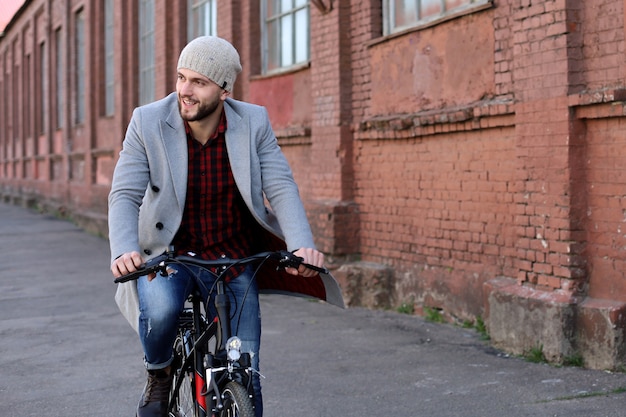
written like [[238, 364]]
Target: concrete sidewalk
[[66, 351]]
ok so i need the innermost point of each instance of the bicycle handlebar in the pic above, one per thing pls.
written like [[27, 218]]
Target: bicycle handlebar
[[284, 258]]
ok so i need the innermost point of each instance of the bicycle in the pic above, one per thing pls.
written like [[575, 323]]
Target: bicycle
[[210, 373]]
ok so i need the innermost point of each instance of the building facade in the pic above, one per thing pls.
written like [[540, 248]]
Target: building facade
[[463, 156]]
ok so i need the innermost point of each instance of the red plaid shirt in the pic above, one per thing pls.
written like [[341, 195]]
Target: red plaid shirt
[[216, 221]]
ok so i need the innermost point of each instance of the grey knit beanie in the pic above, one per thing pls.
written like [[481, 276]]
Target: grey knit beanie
[[213, 57]]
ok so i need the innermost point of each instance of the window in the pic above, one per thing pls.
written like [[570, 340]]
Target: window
[[79, 81], [404, 14], [146, 51], [43, 88], [285, 33], [15, 95], [4, 107], [109, 60], [58, 68], [28, 92], [202, 16]]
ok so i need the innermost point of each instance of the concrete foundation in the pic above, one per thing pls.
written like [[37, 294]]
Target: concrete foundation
[[564, 326], [366, 284]]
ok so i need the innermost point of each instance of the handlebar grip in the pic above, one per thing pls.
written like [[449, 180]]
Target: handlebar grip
[[319, 269], [130, 277], [152, 266], [289, 260]]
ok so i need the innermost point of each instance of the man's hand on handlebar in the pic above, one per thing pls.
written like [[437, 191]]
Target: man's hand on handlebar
[[127, 263], [309, 256]]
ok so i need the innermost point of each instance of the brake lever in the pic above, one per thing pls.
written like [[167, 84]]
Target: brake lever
[[154, 266], [289, 260]]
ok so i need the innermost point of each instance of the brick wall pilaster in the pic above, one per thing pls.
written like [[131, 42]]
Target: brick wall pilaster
[[548, 206], [333, 212], [545, 45]]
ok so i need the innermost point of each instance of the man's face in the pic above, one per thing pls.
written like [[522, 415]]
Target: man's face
[[198, 97]]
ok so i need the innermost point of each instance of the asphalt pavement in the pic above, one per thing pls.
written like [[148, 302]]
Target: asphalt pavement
[[66, 351]]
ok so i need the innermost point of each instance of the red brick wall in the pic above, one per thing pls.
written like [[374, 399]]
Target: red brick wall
[[287, 99], [603, 58], [440, 211], [441, 67], [605, 216], [546, 147], [434, 145]]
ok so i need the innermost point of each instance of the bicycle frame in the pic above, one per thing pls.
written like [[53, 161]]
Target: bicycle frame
[[192, 322], [206, 343], [221, 382]]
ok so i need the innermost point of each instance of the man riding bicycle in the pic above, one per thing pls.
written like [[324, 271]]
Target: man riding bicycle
[[194, 172]]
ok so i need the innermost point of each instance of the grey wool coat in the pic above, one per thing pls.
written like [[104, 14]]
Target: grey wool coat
[[149, 186]]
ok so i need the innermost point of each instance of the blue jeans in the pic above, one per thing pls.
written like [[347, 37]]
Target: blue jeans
[[162, 299]]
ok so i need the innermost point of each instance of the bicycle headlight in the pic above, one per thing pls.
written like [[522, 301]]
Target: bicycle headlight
[[233, 348]]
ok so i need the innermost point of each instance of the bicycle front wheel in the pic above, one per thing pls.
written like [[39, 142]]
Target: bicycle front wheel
[[237, 402], [182, 395]]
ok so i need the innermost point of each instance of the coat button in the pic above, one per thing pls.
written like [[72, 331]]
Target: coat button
[[159, 226], [147, 251], [155, 189]]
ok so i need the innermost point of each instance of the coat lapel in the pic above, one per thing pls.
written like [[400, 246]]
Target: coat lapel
[[238, 148], [175, 142]]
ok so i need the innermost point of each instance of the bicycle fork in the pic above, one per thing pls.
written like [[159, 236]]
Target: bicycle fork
[[198, 363], [209, 369], [210, 389]]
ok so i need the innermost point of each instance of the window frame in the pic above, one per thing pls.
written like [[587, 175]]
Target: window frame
[[80, 62], [446, 14], [43, 88], [146, 60], [108, 105], [59, 85], [15, 94], [27, 89], [194, 10], [5, 100], [297, 34]]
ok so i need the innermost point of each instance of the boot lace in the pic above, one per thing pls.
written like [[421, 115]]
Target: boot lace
[[158, 388]]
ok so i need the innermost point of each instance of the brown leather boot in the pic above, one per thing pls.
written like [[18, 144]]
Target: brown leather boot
[[155, 396]]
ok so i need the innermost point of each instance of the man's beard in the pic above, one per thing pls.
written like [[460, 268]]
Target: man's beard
[[204, 110]]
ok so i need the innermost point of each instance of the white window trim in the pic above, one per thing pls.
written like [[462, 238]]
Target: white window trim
[[388, 5], [192, 7], [265, 45], [147, 67]]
